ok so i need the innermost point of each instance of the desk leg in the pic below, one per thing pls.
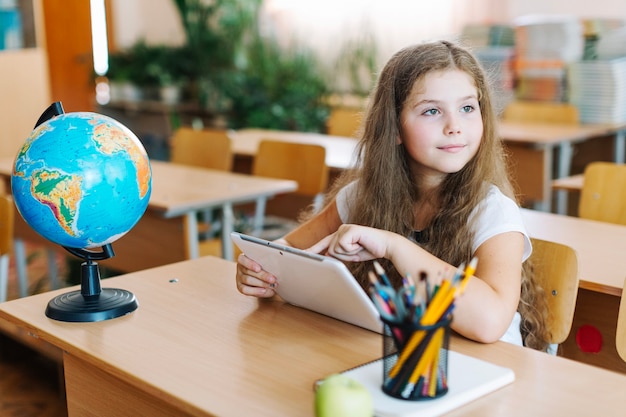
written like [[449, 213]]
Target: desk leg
[[19, 251], [259, 216], [563, 170], [227, 227], [619, 146], [191, 230]]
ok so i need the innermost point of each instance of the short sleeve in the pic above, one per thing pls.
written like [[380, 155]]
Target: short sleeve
[[342, 199], [499, 214]]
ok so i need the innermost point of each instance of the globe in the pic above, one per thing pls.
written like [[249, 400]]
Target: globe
[[81, 180]]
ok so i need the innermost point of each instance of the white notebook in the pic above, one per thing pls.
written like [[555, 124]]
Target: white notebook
[[468, 379]]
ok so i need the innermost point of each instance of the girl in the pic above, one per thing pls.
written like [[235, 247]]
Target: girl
[[430, 191]]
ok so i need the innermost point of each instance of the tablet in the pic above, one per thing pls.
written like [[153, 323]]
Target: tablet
[[315, 282]]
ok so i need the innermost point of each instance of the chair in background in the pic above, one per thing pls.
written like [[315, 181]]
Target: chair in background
[[620, 333], [603, 195], [6, 241], [555, 268], [344, 121], [203, 148], [541, 112], [301, 162]]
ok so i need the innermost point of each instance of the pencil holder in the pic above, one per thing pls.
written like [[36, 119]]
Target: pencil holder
[[415, 360]]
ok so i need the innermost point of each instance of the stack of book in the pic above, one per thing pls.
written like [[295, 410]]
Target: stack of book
[[612, 44], [598, 89], [544, 45]]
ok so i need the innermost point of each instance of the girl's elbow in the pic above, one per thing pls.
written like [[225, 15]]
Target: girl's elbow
[[488, 331]]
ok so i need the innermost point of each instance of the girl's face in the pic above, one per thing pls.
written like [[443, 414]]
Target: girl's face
[[441, 124]]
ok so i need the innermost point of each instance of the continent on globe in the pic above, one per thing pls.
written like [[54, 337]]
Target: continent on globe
[[61, 193]]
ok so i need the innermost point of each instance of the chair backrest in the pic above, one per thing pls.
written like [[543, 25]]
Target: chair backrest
[[206, 148], [620, 333], [555, 268], [344, 122], [603, 196], [541, 112], [304, 163], [6, 224]]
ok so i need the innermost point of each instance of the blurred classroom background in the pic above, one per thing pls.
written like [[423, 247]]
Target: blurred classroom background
[[289, 65]]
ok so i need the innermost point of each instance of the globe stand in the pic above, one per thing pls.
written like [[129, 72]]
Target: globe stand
[[91, 302]]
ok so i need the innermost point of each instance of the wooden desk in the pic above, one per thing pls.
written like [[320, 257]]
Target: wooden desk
[[533, 145], [196, 347], [600, 248], [339, 150], [533, 148], [571, 183], [168, 232]]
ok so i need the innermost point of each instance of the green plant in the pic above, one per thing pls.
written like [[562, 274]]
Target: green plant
[[278, 89], [148, 65], [215, 34]]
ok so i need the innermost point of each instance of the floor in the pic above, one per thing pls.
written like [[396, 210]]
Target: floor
[[30, 383]]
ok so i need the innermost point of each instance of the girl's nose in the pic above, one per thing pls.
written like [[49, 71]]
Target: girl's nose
[[452, 126]]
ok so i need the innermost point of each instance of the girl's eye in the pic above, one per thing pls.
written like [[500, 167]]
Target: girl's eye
[[467, 109], [431, 112]]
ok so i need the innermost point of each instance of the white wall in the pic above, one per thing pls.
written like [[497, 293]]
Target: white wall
[[615, 9], [155, 21], [325, 24]]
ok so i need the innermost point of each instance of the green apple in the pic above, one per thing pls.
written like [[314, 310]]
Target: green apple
[[341, 396]]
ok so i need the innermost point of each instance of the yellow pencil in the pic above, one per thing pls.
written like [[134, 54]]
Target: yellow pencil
[[469, 272], [434, 371], [429, 355]]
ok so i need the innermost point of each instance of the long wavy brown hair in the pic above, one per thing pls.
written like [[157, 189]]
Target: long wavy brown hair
[[386, 192]]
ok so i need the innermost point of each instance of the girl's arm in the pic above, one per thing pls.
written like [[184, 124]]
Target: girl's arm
[[252, 279], [486, 308]]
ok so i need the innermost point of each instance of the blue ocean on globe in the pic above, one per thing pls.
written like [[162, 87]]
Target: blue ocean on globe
[[82, 180]]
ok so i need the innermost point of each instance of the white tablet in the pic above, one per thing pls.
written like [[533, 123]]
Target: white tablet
[[315, 282]]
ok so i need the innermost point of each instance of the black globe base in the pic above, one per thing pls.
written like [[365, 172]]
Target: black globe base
[[75, 307], [91, 302]]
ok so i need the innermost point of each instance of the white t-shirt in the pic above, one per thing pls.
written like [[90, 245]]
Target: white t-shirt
[[499, 214]]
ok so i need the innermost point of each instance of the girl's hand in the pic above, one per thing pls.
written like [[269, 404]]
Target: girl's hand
[[253, 280], [352, 243]]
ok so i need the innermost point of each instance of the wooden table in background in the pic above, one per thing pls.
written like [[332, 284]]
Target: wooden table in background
[[197, 347], [168, 231], [532, 147], [601, 250], [339, 150]]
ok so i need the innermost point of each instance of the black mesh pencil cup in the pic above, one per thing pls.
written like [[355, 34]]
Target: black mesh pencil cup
[[415, 359]]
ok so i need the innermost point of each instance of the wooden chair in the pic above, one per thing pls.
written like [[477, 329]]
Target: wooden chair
[[206, 148], [555, 268], [603, 195], [302, 162], [344, 121], [6, 241], [620, 334]]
